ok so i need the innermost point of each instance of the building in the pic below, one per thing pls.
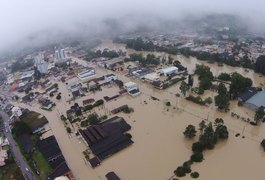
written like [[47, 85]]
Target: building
[[43, 67], [256, 101], [86, 74], [169, 70], [110, 63], [106, 138], [110, 77], [27, 75], [60, 54], [132, 88]]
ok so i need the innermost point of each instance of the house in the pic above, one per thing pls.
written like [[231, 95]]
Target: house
[[169, 70], [112, 176], [132, 88], [110, 77], [86, 74]]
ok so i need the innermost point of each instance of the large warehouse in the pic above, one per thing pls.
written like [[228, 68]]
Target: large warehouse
[[256, 101]]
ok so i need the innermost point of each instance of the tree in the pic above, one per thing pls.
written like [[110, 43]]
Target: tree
[[238, 84], [58, 97], [224, 77], [184, 87], [205, 83], [259, 66], [190, 131], [222, 99], [202, 126], [195, 175], [197, 147], [260, 113], [21, 127], [197, 157], [222, 89], [69, 130], [208, 138], [190, 81], [263, 144], [180, 172], [203, 71]]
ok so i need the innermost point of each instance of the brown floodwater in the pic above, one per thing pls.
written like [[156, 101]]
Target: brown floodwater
[[159, 146]]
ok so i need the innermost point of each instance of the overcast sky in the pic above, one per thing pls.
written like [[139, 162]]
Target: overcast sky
[[19, 19]]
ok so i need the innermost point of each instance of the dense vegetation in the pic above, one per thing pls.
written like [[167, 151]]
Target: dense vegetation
[[205, 77], [105, 53], [222, 99], [260, 65], [209, 136], [149, 59], [20, 65]]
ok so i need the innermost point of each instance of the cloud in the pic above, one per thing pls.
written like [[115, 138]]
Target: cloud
[[27, 20]]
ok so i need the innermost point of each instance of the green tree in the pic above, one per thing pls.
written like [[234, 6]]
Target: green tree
[[259, 66], [184, 87], [197, 147], [69, 130], [197, 157], [260, 113], [238, 84], [222, 99], [190, 81], [195, 175], [190, 131], [180, 171], [21, 127], [224, 77]]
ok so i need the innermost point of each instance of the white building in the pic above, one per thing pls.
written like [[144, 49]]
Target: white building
[[132, 88], [27, 74], [86, 74], [169, 70], [110, 77], [60, 54], [16, 111]]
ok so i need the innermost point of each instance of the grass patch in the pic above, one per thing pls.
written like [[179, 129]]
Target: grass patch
[[34, 120], [42, 165]]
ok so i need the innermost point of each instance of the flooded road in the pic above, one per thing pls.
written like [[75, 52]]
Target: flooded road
[[160, 146]]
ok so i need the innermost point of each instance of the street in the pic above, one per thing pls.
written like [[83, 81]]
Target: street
[[21, 162]]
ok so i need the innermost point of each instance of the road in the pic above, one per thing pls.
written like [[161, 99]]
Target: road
[[21, 162]]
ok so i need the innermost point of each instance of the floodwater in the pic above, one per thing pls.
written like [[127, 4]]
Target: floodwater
[[159, 145]]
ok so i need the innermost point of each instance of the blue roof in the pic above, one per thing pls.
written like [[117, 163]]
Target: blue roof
[[258, 99]]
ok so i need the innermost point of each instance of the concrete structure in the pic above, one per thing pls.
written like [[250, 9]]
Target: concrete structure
[[86, 74], [110, 63], [256, 101], [132, 88], [16, 111], [151, 77], [26, 75], [169, 70]]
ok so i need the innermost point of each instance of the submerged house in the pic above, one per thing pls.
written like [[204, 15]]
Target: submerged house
[[132, 88], [106, 138]]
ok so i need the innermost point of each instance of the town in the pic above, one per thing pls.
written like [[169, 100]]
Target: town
[[118, 110]]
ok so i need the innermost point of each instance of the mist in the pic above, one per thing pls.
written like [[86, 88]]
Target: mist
[[31, 23]]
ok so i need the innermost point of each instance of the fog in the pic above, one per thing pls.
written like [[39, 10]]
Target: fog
[[32, 22]]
